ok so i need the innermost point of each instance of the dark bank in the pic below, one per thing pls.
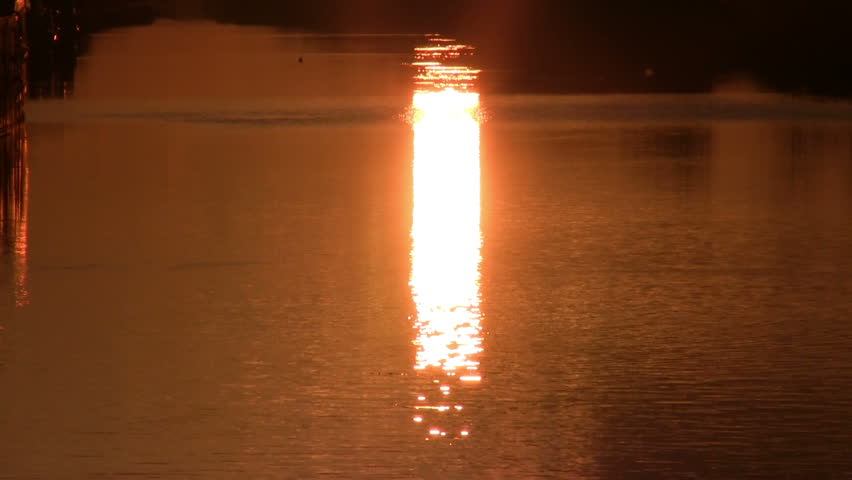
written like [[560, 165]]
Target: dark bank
[[550, 46]]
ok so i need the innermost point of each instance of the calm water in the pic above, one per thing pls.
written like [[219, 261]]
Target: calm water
[[647, 287]]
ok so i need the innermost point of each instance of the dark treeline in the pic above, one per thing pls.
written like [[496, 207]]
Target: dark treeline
[[573, 45]]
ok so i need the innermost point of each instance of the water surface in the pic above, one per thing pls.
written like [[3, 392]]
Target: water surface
[[216, 277]]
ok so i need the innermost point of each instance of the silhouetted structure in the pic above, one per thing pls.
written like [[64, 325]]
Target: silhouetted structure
[[12, 70], [54, 39], [7, 7], [98, 15]]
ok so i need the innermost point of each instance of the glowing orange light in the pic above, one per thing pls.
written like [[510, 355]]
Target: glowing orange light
[[437, 67], [446, 229], [445, 232], [440, 408], [418, 419]]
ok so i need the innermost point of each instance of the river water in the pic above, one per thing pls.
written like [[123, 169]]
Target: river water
[[237, 265]]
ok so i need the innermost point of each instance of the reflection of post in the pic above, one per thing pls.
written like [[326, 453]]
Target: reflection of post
[[14, 199], [445, 256]]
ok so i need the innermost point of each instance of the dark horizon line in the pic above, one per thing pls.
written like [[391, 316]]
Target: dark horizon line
[[676, 49]]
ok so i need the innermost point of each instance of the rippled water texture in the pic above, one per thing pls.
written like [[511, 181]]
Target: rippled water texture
[[209, 270]]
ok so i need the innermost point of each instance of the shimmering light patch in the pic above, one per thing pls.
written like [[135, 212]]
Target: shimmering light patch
[[445, 232], [464, 433], [417, 419], [440, 408], [439, 66]]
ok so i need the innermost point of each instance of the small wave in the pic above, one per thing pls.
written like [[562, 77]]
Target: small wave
[[661, 108], [260, 119], [212, 265], [511, 109], [272, 113]]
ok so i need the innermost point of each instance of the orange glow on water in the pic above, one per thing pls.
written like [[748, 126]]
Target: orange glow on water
[[445, 232], [439, 408], [439, 66]]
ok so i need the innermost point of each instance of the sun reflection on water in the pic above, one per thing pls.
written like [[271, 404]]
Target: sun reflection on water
[[446, 236]]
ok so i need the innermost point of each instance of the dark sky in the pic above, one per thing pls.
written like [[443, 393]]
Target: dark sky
[[580, 45]]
